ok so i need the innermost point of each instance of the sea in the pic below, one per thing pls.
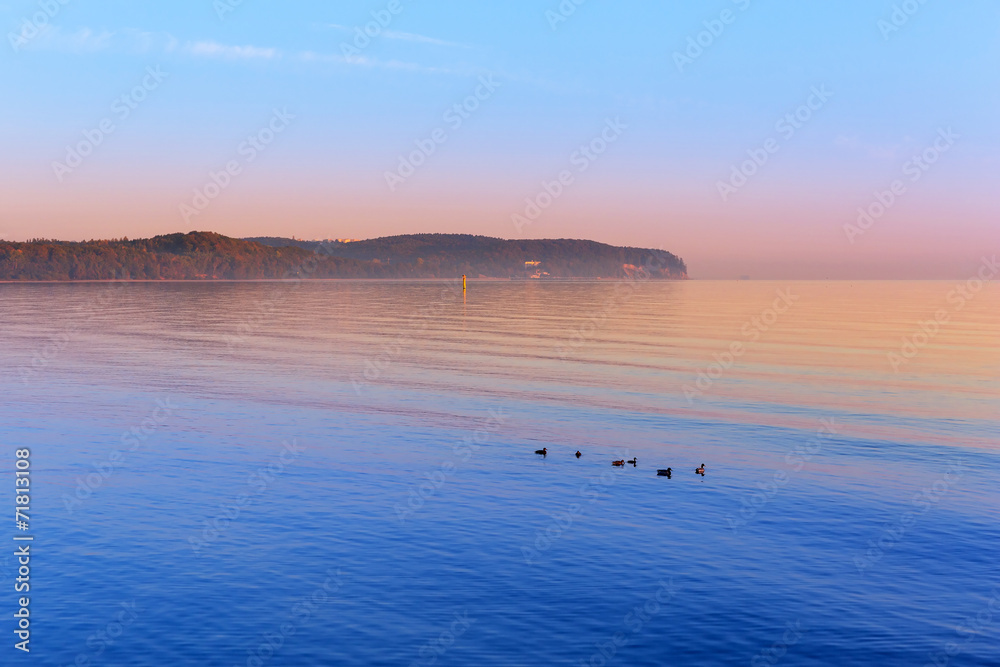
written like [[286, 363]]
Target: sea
[[345, 473]]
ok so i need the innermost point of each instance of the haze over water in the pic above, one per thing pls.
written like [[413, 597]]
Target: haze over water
[[847, 515]]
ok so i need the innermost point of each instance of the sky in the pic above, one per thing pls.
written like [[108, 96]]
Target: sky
[[844, 139]]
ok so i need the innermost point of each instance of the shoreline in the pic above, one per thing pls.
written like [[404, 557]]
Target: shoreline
[[333, 280], [473, 280]]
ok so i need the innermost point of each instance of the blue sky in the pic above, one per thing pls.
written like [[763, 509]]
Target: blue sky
[[557, 84]]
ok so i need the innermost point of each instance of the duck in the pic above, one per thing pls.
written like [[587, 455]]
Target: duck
[[578, 454], [618, 464], [544, 451], [664, 473], [701, 470], [633, 461]]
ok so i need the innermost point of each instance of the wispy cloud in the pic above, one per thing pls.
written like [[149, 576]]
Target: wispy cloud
[[228, 52], [86, 40], [313, 57], [411, 37], [404, 36], [216, 50], [364, 61], [145, 41]]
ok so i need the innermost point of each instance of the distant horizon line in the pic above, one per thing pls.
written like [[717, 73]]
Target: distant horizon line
[[475, 280]]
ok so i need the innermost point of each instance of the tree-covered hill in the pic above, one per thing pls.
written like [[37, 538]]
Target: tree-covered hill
[[208, 256], [493, 257]]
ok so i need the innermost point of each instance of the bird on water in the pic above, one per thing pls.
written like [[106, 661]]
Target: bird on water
[[665, 473], [633, 461], [578, 454], [544, 451], [701, 470]]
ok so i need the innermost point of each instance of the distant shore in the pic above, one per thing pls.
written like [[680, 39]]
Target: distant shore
[[209, 281], [207, 256]]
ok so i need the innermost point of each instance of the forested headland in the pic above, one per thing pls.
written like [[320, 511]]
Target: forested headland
[[211, 256]]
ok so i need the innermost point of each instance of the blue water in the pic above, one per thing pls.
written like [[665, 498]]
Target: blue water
[[365, 453]]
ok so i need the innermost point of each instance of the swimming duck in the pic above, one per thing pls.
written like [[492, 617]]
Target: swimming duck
[[578, 455], [618, 464], [701, 470], [633, 462], [544, 451], [664, 473]]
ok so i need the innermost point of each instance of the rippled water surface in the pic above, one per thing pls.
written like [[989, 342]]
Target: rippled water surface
[[343, 473]]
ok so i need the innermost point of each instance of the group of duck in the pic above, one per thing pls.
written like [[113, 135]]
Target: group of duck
[[544, 451]]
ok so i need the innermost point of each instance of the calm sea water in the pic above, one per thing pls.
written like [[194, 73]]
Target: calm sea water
[[344, 473]]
